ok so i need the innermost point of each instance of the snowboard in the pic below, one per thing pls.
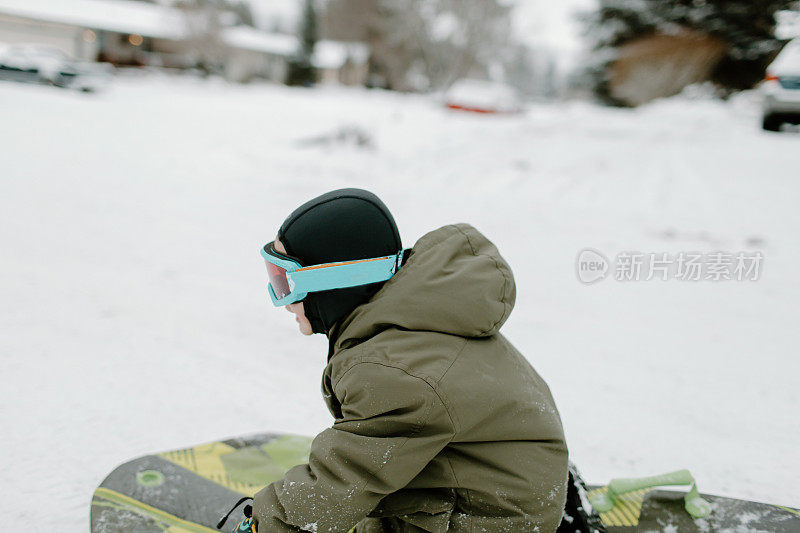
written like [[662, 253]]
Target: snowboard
[[189, 490]]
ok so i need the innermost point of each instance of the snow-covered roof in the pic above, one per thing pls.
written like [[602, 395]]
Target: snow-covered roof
[[788, 61], [334, 54], [277, 15], [248, 38], [327, 54], [121, 16], [788, 24]]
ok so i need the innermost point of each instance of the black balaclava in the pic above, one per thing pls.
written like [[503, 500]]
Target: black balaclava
[[339, 226]]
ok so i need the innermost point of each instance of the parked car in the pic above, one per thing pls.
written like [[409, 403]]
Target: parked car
[[34, 63], [781, 88], [479, 96]]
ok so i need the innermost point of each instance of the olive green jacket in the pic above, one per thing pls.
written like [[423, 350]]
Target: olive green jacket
[[440, 423]]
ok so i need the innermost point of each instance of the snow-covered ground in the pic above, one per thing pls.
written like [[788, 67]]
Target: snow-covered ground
[[133, 300]]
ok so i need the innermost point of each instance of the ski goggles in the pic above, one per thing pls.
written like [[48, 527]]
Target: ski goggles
[[290, 281]]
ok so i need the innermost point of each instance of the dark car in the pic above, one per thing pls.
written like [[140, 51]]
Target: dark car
[[33, 63]]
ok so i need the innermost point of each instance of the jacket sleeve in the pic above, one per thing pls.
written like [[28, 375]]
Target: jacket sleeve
[[393, 424]]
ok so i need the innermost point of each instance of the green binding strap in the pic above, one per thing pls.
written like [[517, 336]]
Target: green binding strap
[[695, 505]]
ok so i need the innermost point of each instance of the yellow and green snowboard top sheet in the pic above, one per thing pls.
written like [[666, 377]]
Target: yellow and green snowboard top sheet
[[189, 490]]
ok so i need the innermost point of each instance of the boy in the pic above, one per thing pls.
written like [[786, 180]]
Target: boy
[[440, 423]]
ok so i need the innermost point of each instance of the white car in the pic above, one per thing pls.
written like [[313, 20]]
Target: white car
[[480, 96], [781, 88], [34, 63]]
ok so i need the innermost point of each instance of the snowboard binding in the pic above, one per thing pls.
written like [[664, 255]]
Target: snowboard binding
[[579, 516], [248, 525], [605, 500]]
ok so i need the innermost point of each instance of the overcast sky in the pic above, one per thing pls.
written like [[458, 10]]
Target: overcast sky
[[550, 22]]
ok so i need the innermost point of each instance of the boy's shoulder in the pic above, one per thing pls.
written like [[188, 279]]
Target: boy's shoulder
[[425, 355]]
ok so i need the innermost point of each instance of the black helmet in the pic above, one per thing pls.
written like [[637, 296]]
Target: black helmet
[[341, 225]]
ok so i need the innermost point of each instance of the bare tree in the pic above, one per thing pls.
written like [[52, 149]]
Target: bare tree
[[203, 24], [472, 38], [424, 44], [301, 68], [449, 39]]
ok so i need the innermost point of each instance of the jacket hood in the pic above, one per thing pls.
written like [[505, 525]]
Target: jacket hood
[[454, 282]]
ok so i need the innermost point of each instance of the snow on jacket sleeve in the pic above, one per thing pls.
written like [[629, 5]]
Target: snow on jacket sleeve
[[393, 424]]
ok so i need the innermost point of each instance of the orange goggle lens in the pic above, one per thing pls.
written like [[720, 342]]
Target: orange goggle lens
[[278, 280]]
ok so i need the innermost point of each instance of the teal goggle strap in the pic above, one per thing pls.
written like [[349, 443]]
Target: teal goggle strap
[[327, 276]]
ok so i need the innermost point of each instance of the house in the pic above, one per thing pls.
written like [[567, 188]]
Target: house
[[125, 32], [253, 53], [346, 63], [122, 32]]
